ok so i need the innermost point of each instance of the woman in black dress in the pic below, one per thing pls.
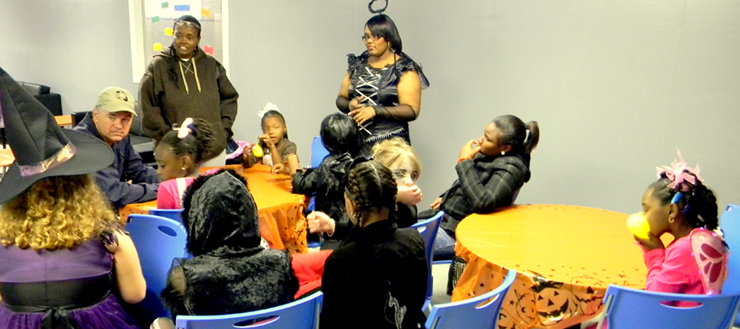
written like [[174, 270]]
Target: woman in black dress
[[382, 87]]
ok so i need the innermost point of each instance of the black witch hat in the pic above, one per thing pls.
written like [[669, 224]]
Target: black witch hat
[[40, 147]]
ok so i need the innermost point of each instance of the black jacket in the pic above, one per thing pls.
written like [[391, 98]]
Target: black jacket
[[484, 184], [327, 182], [127, 165], [376, 278]]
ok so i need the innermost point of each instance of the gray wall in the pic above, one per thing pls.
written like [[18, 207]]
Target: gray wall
[[617, 87], [76, 47]]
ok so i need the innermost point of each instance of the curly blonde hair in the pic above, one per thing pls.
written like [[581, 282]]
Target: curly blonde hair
[[390, 150], [57, 213]]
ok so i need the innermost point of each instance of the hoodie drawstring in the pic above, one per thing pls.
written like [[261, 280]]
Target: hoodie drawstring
[[195, 71]]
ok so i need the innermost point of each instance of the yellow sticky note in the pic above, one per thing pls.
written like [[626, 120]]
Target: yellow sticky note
[[157, 46], [168, 31], [205, 12]]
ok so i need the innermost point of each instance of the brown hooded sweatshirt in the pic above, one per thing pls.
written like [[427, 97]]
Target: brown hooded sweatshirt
[[206, 93]]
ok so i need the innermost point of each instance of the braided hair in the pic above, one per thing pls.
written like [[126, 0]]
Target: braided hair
[[371, 186], [696, 202], [172, 54], [199, 144]]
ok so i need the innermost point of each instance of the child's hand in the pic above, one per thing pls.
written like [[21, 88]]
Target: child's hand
[[652, 243], [469, 150], [319, 222], [435, 205], [279, 169], [409, 195], [356, 103], [363, 114], [266, 139]]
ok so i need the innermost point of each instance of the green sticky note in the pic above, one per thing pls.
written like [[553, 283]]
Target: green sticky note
[[165, 4], [155, 19]]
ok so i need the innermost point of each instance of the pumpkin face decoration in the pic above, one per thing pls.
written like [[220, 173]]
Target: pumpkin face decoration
[[553, 302]]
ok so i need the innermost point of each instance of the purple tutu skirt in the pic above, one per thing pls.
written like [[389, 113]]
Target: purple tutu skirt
[[106, 314]]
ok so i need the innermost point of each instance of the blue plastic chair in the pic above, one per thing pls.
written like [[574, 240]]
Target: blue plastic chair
[[174, 214], [468, 313], [730, 224], [428, 230], [631, 308], [300, 314], [158, 241], [318, 152]]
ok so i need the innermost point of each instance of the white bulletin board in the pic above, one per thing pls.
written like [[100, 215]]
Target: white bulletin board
[[151, 23]]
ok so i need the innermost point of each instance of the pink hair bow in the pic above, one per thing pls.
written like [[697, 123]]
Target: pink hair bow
[[679, 173], [185, 129]]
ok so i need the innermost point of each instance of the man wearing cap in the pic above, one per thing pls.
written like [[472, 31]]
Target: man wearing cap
[[128, 179]]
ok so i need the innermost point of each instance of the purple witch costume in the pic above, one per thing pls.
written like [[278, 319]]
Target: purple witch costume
[[71, 287]]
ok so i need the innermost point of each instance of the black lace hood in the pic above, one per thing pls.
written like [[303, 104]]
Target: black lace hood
[[220, 215]]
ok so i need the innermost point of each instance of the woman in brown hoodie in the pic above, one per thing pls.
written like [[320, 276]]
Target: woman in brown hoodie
[[183, 82]]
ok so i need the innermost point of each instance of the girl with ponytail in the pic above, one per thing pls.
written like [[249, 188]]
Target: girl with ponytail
[[179, 156], [490, 171]]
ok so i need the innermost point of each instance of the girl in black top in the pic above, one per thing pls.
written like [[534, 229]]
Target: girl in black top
[[378, 276]]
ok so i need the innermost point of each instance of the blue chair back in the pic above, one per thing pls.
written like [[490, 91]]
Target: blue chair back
[[730, 224], [468, 313], [318, 152], [174, 214], [631, 308], [428, 229], [300, 314], [158, 241]]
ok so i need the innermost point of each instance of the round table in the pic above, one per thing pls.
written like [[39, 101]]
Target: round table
[[282, 222], [565, 256]]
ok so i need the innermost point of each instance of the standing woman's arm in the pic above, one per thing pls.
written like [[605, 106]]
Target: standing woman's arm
[[409, 99], [343, 101], [153, 119], [229, 95]]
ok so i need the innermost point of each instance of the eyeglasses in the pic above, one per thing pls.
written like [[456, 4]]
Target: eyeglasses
[[188, 23], [374, 37]]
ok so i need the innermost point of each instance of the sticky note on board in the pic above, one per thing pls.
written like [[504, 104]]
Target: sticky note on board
[[155, 19], [165, 5], [182, 7], [157, 46], [208, 50], [168, 31], [205, 12]]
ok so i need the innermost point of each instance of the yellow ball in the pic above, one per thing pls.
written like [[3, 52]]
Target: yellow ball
[[638, 225], [257, 151]]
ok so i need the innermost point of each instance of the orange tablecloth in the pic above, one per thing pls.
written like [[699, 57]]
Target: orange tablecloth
[[565, 256], [6, 157], [282, 222], [63, 120]]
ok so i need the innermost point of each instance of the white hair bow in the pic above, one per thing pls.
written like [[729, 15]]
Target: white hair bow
[[268, 107], [185, 129]]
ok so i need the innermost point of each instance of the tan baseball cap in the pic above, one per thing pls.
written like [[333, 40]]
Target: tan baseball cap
[[115, 99]]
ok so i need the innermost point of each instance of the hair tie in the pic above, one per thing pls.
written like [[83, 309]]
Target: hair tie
[[527, 133], [680, 174], [186, 128], [268, 107]]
